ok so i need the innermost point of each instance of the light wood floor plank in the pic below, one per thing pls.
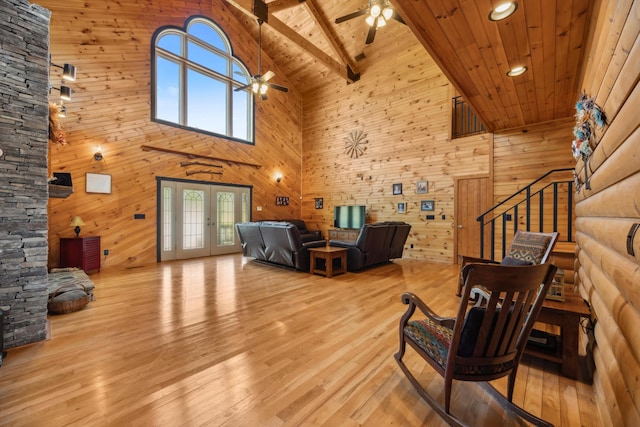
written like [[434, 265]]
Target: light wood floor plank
[[225, 341]]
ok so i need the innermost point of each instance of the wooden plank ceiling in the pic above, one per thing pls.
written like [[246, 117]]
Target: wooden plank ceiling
[[547, 37]]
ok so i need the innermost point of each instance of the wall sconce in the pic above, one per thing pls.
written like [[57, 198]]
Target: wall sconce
[[76, 222], [65, 92], [68, 71], [98, 154], [62, 111], [279, 178]]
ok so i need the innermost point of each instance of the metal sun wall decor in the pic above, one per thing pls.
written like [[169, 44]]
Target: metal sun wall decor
[[355, 143], [589, 116]]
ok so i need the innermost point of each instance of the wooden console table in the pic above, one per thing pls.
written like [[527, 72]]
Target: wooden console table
[[344, 234], [565, 314], [328, 254]]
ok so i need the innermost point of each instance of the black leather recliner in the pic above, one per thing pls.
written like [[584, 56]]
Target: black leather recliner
[[276, 242], [376, 244]]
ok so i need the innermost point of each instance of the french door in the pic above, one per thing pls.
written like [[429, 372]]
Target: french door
[[198, 219]]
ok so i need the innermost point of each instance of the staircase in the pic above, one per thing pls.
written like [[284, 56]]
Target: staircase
[[544, 205]]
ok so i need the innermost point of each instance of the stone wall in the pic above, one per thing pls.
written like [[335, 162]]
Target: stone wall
[[24, 118]]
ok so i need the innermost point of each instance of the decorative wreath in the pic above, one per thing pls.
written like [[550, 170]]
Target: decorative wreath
[[588, 116], [56, 134]]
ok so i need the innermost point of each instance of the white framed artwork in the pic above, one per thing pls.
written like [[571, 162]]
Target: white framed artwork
[[98, 183]]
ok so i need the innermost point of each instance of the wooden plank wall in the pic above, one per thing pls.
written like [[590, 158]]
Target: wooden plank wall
[[608, 275], [521, 156], [109, 42], [406, 117], [402, 104]]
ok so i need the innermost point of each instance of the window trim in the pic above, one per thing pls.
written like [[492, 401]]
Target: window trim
[[184, 64]]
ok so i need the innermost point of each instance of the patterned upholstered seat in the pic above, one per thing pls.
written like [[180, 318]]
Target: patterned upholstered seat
[[483, 342]]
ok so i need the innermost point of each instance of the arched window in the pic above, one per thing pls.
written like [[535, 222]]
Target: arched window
[[194, 77]]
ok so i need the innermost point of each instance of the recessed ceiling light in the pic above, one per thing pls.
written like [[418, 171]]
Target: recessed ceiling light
[[503, 11], [517, 71]]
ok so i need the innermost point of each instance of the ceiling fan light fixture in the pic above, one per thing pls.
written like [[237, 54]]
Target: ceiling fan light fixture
[[381, 22], [387, 12], [375, 10], [370, 20], [263, 88], [503, 11], [517, 71]]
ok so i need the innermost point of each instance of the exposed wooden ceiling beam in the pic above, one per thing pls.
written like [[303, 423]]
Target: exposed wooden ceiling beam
[[255, 9], [317, 16], [278, 5]]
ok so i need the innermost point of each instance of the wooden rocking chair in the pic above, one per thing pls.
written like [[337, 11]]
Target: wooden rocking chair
[[484, 341]]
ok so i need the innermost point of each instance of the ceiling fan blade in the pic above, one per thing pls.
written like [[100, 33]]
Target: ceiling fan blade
[[278, 87], [268, 75], [351, 16], [372, 32], [242, 87], [398, 18]]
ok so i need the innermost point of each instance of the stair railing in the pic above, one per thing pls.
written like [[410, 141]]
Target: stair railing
[[531, 203]]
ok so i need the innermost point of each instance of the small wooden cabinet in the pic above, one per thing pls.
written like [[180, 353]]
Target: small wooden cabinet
[[344, 234], [81, 252]]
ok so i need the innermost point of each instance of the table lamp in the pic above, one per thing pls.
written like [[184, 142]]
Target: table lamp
[[76, 222]]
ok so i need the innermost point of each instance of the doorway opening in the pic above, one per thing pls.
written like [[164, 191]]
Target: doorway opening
[[197, 219]]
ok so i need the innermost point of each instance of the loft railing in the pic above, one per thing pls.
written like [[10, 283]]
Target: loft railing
[[465, 121], [533, 209]]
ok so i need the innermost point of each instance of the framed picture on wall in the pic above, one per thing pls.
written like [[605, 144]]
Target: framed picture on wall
[[422, 187], [427, 205], [402, 207], [319, 203], [397, 189], [98, 183], [282, 201]]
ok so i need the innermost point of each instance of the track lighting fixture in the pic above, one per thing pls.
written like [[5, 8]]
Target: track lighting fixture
[[65, 92], [68, 71]]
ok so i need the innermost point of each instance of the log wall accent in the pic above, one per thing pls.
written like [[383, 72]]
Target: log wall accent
[[607, 274], [109, 42], [24, 58]]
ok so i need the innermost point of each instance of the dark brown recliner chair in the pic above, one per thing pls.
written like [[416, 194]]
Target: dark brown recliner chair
[[275, 242], [374, 244], [400, 235]]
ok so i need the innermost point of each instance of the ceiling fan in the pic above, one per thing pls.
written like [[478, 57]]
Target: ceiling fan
[[378, 12], [259, 83]]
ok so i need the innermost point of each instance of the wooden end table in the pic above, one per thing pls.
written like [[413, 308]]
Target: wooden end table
[[328, 254], [565, 314]]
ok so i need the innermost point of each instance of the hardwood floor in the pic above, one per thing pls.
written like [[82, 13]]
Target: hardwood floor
[[225, 341]]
